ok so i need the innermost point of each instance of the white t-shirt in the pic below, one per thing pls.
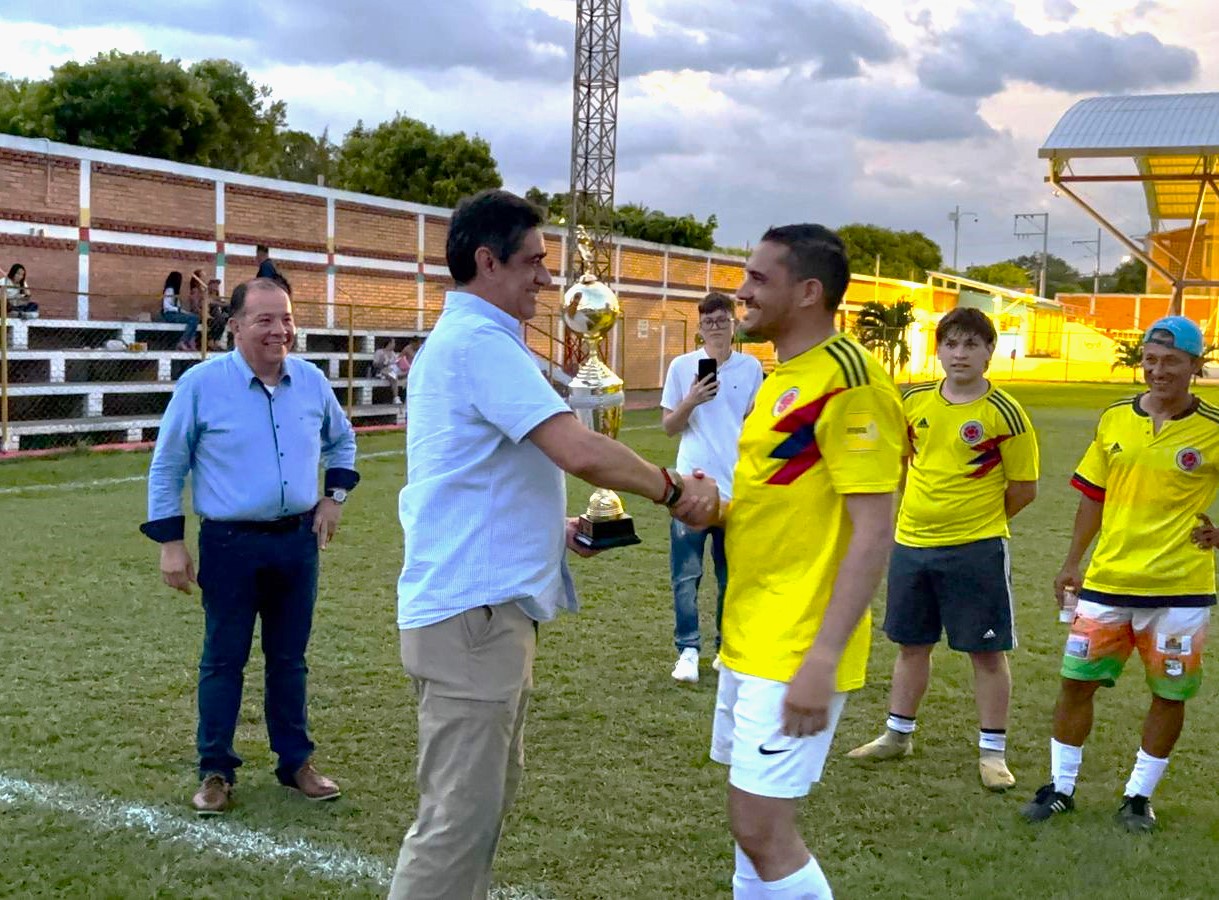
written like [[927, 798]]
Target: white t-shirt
[[709, 441], [169, 301]]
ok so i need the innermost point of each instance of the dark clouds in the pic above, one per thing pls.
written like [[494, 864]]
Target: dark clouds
[[504, 38], [1060, 10], [832, 36], [988, 47]]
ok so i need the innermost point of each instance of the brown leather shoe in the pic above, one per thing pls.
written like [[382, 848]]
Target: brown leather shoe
[[313, 784], [213, 796]]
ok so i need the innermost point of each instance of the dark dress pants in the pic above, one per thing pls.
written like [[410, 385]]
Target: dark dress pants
[[246, 573]]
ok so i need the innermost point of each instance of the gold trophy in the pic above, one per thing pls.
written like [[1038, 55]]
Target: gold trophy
[[590, 309]]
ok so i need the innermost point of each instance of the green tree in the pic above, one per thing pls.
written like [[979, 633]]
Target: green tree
[[305, 158], [884, 328], [902, 254], [245, 131], [636, 221], [12, 94], [1061, 276], [1002, 274], [129, 102], [410, 160], [1129, 277], [554, 206], [210, 114]]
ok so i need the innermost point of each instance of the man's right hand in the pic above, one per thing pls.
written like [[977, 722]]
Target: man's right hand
[[177, 568], [699, 506], [1068, 577], [702, 391]]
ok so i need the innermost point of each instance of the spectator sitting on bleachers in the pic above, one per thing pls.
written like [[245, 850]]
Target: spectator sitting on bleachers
[[217, 316], [385, 365], [172, 311], [195, 293], [17, 294]]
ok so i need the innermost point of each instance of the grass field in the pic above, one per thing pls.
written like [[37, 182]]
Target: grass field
[[97, 673]]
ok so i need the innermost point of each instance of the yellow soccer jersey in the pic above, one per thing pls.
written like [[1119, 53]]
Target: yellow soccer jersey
[[1152, 485], [824, 424], [961, 456]]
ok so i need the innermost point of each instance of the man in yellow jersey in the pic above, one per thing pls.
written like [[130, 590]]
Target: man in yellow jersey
[[972, 465], [1151, 470], [807, 534]]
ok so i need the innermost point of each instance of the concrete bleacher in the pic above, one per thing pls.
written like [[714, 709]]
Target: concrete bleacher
[[64, 388]]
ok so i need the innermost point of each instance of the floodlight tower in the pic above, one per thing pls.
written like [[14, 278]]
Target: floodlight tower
[[594, 138]]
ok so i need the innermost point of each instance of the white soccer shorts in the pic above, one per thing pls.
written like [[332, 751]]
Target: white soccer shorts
[[747, 736]]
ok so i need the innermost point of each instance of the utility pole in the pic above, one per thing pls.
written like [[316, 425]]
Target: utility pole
[[1030, 219], [955, 218], [1095, 270]]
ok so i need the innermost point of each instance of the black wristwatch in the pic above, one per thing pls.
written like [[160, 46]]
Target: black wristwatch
[[338, 495], [674, 486]]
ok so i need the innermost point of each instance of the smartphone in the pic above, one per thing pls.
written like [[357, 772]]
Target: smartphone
[[706, 367]]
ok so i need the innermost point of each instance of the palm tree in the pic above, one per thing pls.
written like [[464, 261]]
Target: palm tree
[[884, 328]]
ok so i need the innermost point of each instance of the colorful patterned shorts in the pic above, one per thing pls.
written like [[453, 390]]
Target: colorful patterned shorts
[[1169, 640]]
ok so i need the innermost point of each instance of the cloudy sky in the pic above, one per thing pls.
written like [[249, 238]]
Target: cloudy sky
[[760, 111]]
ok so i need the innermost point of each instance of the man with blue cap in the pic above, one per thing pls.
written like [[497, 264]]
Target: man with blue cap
[[1148, 476]]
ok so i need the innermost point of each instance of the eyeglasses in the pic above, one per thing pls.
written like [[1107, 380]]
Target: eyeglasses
[[716, 324]]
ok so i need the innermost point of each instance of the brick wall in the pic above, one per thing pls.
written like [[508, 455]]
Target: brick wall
[[38, 188], [162, 217], [687, 272], [50, 269], [283, 220], [127, 281], [642, 266], [126, 199], [368, 231]]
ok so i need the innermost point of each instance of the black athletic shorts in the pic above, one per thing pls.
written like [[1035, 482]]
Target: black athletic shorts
[[964, 590]]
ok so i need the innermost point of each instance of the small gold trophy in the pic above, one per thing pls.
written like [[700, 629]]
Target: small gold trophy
[[595, 395]]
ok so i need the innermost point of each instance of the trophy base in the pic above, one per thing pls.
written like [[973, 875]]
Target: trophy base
[[603, 534]]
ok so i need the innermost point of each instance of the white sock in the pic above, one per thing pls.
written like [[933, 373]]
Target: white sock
[[900, 724], [1064, 766], [746, 885], [993, 739], [1148, 770], [807, 883]]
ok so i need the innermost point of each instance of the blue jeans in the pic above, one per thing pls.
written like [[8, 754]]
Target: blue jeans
[[246, 574], [177, 317], [686, 570]]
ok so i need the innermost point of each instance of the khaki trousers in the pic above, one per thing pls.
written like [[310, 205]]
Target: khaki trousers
[[473, 674]]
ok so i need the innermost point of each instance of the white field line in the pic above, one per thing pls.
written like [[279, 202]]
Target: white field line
[[227, 839], [127, 479]]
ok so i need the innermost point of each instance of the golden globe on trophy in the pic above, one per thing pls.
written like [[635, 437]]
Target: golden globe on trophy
[[590, 309]]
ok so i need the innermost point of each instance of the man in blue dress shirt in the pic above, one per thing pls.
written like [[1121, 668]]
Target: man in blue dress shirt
[[484, 513], [250, 427]]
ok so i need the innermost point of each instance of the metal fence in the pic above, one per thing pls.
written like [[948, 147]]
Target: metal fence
[[104, 380], [1067, 352], [108, 380]]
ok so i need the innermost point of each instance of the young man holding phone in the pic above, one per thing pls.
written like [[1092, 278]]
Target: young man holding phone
[[707, 395]]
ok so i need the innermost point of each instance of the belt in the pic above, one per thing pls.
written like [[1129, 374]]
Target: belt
[[268, 526]]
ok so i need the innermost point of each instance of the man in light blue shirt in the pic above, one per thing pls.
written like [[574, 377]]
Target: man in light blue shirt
[[484, 514], [250, 427]]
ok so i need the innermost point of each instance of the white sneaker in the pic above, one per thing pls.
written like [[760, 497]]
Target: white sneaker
[[686, 667]]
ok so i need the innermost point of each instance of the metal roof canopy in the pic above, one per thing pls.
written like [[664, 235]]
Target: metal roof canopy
[[1173, 140]]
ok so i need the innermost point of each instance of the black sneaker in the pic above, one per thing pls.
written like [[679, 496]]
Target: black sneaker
[[1046, 803], [1136, 814]]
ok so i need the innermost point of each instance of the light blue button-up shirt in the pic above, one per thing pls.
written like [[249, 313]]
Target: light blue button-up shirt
[[252, 453], [483, 510]]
